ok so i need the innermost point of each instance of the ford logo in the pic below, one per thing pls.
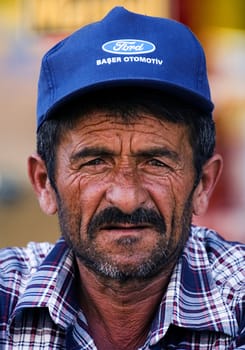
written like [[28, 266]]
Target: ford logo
[[128, 46]]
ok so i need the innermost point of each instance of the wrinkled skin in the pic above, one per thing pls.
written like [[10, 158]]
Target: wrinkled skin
[[145, 166]]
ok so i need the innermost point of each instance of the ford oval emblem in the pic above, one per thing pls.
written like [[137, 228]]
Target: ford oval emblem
[[128, 46]]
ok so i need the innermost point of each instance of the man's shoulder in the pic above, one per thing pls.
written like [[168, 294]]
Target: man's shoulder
[[217, 247], [17, 265], [226, 259], [23, 260]]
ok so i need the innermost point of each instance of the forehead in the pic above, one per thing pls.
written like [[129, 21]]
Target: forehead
[[98, 126]]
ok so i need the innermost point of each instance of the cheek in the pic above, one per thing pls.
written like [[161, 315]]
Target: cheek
[[83, 197], [92, 193], [170, 196], [162, 196]]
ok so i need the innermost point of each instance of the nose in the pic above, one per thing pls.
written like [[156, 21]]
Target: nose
[[126, 191]]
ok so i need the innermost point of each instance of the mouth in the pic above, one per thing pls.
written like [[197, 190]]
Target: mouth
[[126, 229], [125, 235]]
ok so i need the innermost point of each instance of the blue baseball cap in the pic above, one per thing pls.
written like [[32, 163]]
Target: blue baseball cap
[[124, 49]]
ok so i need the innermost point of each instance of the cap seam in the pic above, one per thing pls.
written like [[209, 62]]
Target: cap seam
[[199, 64], [49, 72]]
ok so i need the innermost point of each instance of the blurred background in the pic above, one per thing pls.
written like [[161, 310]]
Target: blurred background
[[28, 28]]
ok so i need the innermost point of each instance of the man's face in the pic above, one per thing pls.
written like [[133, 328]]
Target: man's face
[[125, 193]]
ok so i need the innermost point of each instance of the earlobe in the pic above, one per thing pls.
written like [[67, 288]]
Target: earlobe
[[40, 182], [211, 172]]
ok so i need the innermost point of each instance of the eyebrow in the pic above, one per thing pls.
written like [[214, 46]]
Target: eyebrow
[[91, 152], [159, 152], [147, 153]]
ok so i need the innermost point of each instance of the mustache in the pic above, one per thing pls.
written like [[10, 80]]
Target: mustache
[[113, 216]]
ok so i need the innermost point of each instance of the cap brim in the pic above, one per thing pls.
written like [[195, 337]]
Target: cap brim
[[186, 95]]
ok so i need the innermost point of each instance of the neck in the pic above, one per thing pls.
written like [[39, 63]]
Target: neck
[[119, 314]]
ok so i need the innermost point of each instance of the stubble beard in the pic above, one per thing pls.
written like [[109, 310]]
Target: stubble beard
[[162, 256]]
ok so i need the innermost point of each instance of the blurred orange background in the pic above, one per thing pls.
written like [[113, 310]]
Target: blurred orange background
[[28, 28]]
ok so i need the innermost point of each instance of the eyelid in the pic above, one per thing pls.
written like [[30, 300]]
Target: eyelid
[[155, 159], [93, 161], [155, 162]]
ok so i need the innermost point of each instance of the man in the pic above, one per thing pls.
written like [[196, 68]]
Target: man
[[125, 156]]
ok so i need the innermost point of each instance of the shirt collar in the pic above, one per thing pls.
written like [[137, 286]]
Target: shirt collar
[[52, 286], [192, 299]]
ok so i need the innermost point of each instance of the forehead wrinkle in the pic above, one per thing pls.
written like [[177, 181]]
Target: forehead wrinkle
[[150, 126], [122, 118], [95, 121]]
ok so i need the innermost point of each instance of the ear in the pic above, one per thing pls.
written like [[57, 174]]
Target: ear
[[210, 174], [40, 182]]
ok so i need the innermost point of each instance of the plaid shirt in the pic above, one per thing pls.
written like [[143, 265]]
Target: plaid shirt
[[203, 307]]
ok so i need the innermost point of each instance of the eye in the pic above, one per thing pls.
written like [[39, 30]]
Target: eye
[[93, 162], [157, 163], [157, 167]]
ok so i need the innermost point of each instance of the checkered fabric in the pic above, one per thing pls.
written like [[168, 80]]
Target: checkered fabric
[[203, 307]]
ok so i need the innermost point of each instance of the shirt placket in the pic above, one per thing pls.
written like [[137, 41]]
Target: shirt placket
[[78, 337]]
